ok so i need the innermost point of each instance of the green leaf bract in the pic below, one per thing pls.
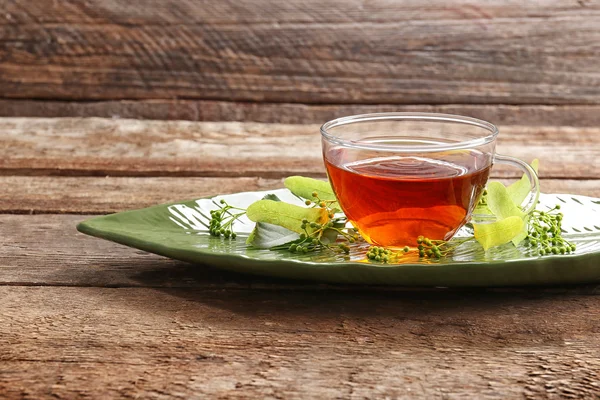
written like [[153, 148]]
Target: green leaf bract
[[287, 215], [304, 187], [499, 232]]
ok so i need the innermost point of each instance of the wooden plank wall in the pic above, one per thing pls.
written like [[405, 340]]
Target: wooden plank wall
[[509, 61]]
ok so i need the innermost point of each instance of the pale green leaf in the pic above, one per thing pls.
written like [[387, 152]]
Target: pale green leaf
[[265, 236], [304, 187], [502, 206], [284, 214], [499, 232], [519, 190], [500, 203], [523, 234]]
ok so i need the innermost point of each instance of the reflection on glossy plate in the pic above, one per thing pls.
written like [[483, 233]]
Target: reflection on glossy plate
[[175, 231]]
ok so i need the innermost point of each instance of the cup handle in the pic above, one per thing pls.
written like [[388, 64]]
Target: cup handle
[[531, 200]]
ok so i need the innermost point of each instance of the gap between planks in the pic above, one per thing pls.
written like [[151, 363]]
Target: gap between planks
[[267, 174]]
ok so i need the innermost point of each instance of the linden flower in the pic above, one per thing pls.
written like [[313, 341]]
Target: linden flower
[[221, 220], [545, 233], [384, 255]]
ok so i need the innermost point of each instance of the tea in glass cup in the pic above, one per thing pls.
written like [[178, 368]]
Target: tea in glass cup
[[398, 176]]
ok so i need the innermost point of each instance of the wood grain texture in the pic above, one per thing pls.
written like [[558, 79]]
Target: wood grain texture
[[92, 195], [291, 113], [260, 11], [505, 52], [46, 250], [95, 195], [93, 146], [166, 343]]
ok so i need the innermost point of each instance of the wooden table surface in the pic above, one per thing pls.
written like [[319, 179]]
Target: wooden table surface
[[83, 317]]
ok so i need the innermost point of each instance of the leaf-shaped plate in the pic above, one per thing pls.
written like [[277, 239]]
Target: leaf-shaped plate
[[178, 231]]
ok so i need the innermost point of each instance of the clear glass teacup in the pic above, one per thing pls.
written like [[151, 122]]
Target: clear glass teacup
[[398, 176]]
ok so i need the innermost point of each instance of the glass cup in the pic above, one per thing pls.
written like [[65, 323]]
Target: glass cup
[[398, 176]]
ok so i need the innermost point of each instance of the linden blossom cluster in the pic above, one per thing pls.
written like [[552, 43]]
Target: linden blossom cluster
[[320, 203], [545, 233], [381, 254], [438, 248], [311, 240], [428, 248], [222, 219]]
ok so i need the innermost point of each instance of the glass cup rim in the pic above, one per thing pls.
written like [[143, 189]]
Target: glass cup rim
[[405, 116]]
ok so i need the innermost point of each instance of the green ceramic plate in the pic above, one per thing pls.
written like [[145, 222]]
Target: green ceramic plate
[[176, 231]]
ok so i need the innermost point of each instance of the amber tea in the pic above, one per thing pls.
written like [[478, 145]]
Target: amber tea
[[392, 200]]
